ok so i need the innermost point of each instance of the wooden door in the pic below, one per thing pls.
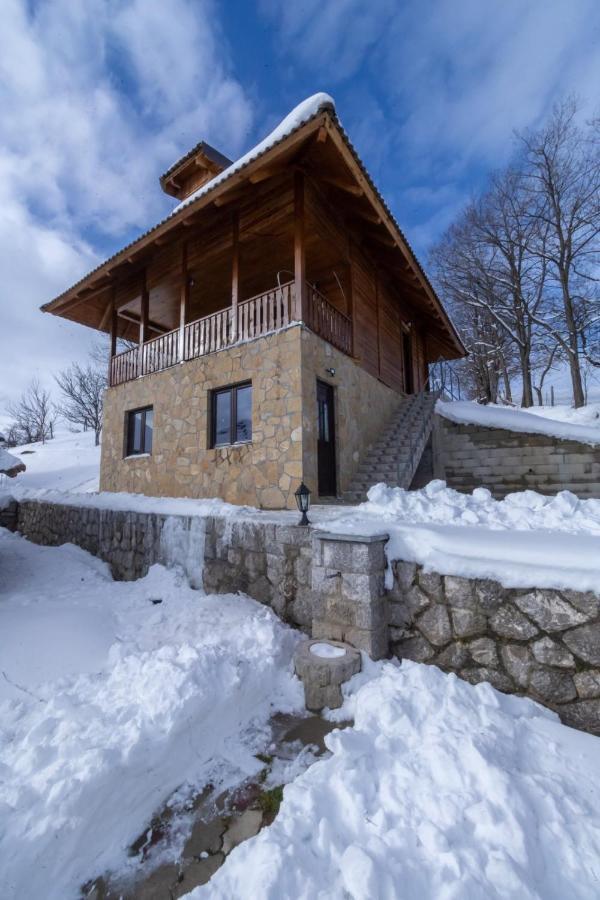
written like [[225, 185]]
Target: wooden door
[[326, 440]]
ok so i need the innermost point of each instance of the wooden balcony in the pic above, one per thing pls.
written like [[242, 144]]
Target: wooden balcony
[[253, 318]]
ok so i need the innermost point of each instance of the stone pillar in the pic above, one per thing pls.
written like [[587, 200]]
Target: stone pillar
[[348, 582]]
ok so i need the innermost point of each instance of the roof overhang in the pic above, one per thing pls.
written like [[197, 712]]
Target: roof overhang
[[324, 125]]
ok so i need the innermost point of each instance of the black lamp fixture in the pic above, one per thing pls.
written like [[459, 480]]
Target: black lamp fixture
[[302, 496]]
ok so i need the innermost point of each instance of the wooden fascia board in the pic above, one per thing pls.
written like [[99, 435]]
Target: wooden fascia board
[[370, 193], [58, 305]]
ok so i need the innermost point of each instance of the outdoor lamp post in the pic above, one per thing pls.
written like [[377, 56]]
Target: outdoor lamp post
[[302, 496]]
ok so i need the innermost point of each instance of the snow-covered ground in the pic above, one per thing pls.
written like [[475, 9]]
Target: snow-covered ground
[[113, 700], [440, 790], [68, 462], [555, 421], [110, 700]]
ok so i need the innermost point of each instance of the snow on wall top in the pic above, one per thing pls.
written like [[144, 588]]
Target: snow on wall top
[[298, 116], [467, 412]]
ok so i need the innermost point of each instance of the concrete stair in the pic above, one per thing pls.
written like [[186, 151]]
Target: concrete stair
[[395, 456]]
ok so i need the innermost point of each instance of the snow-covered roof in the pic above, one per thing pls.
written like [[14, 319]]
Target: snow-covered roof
[[301, 114], [10, 465], [467, 412]]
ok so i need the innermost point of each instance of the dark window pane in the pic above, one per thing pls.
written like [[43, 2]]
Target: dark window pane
[[243, 425], [223, 417], [147, 447], [137, 432]]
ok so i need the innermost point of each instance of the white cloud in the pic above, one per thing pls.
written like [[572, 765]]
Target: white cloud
[[98, 98]]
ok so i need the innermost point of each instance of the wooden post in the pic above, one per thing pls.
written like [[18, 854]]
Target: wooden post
[[184, 301], [143, 323], [350, 309], [114, 322], [300, 291], [235, 273]]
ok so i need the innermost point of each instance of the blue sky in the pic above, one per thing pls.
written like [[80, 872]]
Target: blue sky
[[98, 97]]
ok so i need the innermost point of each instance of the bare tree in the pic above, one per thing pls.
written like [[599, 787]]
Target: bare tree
[[33, 414], [562, 180], [82, 390]]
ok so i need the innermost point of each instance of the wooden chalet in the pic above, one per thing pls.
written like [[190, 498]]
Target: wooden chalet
[[282, 261]]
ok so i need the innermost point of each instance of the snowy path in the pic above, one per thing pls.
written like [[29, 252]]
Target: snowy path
[[441, 790], [119, 701]]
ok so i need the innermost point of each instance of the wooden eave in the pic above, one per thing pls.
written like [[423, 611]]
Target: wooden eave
[[382, 227]]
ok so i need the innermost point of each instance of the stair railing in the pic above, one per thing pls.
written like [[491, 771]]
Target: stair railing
[[407, 469]]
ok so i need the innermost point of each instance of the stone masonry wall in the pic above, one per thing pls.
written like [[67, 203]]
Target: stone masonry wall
[[363, 405], [469, 456], [541, 643], [544, 644], [269, 562], [264, 472]]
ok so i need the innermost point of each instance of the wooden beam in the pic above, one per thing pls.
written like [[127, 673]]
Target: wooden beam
[[135, 320], [114, 324], [300, 292], [144, 309], [110, 306], [266, 173], [184, 300], [342, 184], [235, 271], [321, 135], [224, 199]]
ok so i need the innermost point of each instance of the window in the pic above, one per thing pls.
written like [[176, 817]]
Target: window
[[231, 415], [139, 431]]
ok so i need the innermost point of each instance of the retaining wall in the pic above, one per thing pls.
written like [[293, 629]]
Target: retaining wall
[[538, 642], [542, 643], [470, 456]]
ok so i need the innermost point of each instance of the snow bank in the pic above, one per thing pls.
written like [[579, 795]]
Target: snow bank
[[10, 464], [440, 790], [112, 700], [525, 540], [298, 116], [468, 412]]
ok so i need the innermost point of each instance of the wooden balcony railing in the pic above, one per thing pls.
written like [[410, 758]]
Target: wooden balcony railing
[[328, 322], [255, 317]]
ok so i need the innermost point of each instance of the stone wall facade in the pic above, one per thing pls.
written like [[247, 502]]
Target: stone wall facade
[[264, 472], [470, 456], [363, 406], [542, 643]]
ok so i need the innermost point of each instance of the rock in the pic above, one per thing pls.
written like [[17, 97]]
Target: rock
[[205, 838], [585, 601], [459, 591], [508, 622], [587, 684], [404, 573], [488, 594], [197, 874], [431, 583], [159, 884], [435, 625], [415, 648], [585, 643], [497, 679], [552, 686], [452, 657], [552, 654], [468, 622], [416, 600], [398, 614], [483, 650], [549, 610], [583, 714], [517, 662], [241, 829]]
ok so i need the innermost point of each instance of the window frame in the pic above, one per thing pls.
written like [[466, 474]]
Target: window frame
[[232, 389], [129, 451]]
